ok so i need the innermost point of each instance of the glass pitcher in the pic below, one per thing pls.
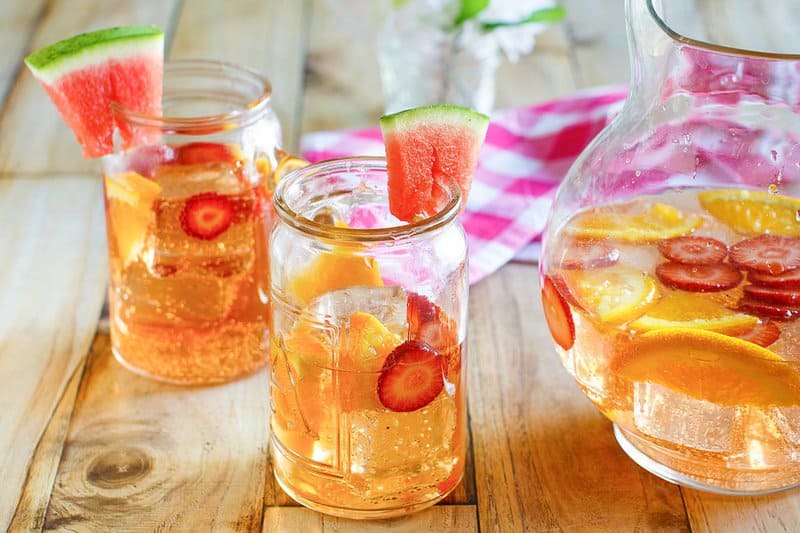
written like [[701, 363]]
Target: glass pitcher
[[671, 264]]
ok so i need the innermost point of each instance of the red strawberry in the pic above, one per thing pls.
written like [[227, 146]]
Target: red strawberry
[[787, 280], [420, 310], [693, 250], [206, 216], [429, 324], [411, 377], [768, 254], [582, 255], [202, 152], [698, 278], [772, 295], [763, 334], [768, 310], [557, 314]]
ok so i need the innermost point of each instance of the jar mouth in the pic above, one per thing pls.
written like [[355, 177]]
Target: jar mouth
[[355, 165], [679, 36], [241, 94]]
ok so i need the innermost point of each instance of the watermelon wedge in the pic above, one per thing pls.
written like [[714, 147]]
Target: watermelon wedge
[[85, 73], [427, 147]]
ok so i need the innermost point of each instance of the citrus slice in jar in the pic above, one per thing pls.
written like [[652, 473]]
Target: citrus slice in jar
[[614, 295], [130, 210], [688, 310], [710, 366], [754, 212], [328, 271], [658, 222]]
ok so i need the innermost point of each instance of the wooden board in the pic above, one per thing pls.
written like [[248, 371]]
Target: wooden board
[[17, 23]]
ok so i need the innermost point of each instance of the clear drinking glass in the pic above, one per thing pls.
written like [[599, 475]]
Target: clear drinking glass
[[671, 264], [367, 344], [187, 217]]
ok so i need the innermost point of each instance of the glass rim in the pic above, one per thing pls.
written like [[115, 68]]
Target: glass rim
[[714, 47], [441, 218], [244, 115]]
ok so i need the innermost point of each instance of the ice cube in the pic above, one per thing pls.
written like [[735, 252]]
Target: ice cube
[[387, 304]]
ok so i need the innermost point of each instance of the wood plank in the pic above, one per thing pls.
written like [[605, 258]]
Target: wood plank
[[534, 430], [51, 290], [710, 512], [461, 518], [266, 35], [18, 21], [143, 455], [29, 119]]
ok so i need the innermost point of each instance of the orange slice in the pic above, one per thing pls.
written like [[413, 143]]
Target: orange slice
[[367, 343], [130, 205], [616, 294], [660, 221], [688, 310], [710, 366], [754, 212], [329, 271]]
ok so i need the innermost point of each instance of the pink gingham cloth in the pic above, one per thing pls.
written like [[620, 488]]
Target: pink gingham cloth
[[526, 154]]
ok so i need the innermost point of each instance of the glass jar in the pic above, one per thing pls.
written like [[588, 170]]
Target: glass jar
[[187, 215], [672, 257], [367, 344]]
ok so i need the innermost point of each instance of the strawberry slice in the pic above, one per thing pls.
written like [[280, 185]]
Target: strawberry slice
[[429, 324], [584, 254], [763, 334], [698, 278], [769, 254], [557, 314], [206, 216], [772, 295], [787, 280], [199, 153], [693, 250], [411, 377], [768, 310]]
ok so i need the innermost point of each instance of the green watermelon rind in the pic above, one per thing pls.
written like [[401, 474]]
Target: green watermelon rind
[[48, 64], [456, 115]]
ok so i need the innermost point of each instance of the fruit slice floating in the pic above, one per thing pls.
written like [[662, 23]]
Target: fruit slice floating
[[754, 212], [768, 310], [584, 255], [710, 366], [693, 250], [85, 73], [200, 153], [787, 280], [411, 377], [687, 310], [615, 295], [367, 343], [774, 296], [660, 221], [763, 334], [558, 315], [207, 215], [329, 271], [131, 197], [428, 323], [768, 254], [427, 148], [699, 278]]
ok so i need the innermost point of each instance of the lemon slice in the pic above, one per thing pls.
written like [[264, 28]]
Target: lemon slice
[[688, 310], [754, 212], [616, 294], [130, 211], [710, 366], [661, 221]]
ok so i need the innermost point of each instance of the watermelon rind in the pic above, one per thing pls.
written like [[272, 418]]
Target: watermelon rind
[[51, 62], [438, 113]]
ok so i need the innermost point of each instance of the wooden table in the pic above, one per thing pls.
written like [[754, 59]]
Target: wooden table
[[87, 446]]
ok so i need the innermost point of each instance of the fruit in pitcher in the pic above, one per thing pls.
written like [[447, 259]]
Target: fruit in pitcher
[[753, 212], [689, 310], [84, 74], [338, 269], [557, 314], [786, 280], [659, 221], [206, 215], [698, 278], [426, 149], [584, 254], [763, 334], [693, 250], [767, 254], [411, 377], [614, 295]]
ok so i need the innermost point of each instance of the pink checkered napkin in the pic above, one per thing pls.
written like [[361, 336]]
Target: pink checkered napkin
[[525, 156]]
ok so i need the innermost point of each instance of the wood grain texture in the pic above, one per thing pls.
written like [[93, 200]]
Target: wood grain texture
[[142, 455], [775, 513], [51, 290], [536, 432], [17, 24], [29, 119], [460, 518]]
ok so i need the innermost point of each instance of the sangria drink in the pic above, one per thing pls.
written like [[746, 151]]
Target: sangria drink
[[188, 217], [367, 345]]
